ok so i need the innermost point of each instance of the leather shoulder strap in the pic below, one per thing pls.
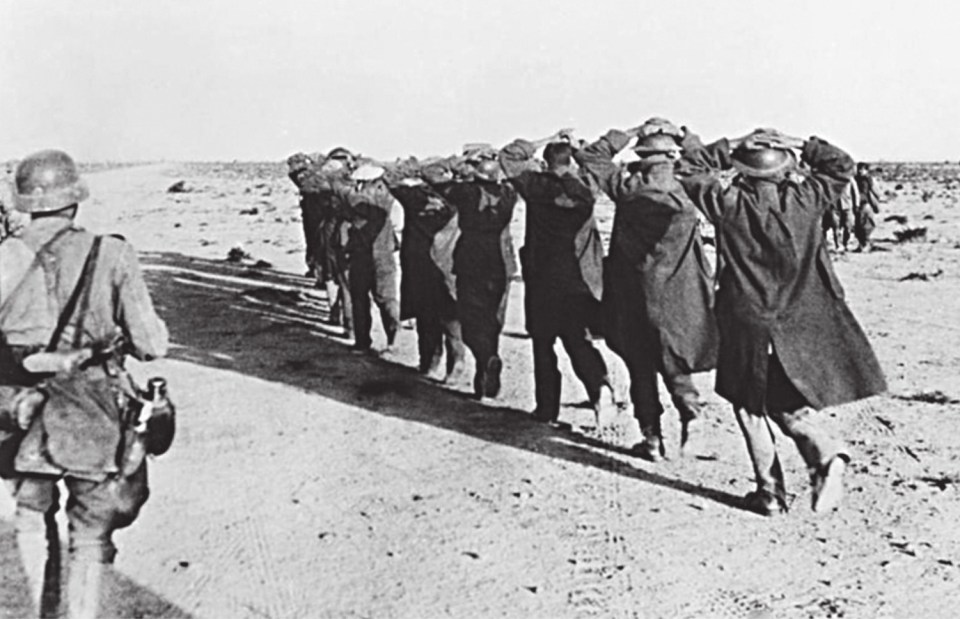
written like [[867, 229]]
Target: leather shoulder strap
[[83, 281]]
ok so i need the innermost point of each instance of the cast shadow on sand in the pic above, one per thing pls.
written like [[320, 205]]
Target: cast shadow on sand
[[122, 597], [271, 325]]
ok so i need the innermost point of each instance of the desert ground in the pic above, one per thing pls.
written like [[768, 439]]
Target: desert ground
[[310, 482]]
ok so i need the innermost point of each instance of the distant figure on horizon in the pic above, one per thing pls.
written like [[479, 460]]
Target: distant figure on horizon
[[865, 208]]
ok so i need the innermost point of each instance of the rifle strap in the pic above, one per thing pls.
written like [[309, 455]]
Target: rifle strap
[[82, 283]]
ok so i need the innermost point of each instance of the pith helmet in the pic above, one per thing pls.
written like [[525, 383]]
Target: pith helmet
[[48, 181], [763, 162], [367, 172]]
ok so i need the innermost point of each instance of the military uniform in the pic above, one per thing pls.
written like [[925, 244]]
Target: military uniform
[[39, 271], [659, 296], [424, 292], [788, 341], [369, 244], [483, 264], [865, 208], [562, 268]]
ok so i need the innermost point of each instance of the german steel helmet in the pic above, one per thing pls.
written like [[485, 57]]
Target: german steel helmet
[[48, 181]]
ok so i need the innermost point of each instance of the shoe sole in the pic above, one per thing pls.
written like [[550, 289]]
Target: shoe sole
[[831, 490]]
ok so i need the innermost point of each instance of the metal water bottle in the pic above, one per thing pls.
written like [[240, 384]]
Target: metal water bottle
[[160, 426]]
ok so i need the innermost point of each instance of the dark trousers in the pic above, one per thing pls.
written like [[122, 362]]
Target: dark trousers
[[863, 224], [436, 334], [645, 395], [481, 306], [365, 281], [570, 325]]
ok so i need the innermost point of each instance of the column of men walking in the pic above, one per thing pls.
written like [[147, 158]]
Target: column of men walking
[[771, 319]]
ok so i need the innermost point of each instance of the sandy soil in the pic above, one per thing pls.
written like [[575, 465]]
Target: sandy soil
[[307, 481]]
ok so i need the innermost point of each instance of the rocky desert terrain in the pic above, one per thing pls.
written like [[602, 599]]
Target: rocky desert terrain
[[309, 482]]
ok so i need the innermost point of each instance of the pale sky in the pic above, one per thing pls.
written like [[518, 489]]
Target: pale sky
[[223, 80]]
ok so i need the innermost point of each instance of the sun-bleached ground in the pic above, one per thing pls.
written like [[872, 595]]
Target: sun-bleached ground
[[307, 481]]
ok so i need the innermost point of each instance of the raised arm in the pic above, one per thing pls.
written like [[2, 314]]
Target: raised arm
[[701, 170], [597, 158], [831, 168]]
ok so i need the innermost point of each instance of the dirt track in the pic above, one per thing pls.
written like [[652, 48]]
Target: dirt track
[[307, 481]]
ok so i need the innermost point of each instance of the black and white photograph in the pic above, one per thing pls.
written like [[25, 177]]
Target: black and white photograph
[[370, 309]]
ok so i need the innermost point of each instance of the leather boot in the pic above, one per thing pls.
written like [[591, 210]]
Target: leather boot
[[651, 447], [34, 548], [83, 588]]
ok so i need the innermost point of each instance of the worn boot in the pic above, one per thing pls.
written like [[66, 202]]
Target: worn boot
[[34, 547], [83, 587], [491, 377], [651, 447], [828, 485], [764, 503]]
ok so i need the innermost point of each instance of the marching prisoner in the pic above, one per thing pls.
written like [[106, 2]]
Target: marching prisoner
[[839, 218], [426, 260], [369, 244], [659, 291], [865, 208], [68, 293], [562, 265], [789, 344], [314, 177], [483, 260]]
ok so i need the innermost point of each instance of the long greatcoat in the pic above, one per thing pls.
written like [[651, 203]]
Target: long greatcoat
[[659, 292], [423, 286], [562, 254], [777, 288]]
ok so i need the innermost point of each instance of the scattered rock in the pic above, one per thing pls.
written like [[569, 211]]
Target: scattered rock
[[250, 211], [930, 397], [923, 277], [900, 219], [943, 481], [179, 187], [238, 254], [918, 233]]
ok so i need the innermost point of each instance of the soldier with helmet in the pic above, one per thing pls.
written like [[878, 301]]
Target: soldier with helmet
[[426, 293], [79, 299], [659, 291], [789, 344], [483, 259], [314, 176]]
